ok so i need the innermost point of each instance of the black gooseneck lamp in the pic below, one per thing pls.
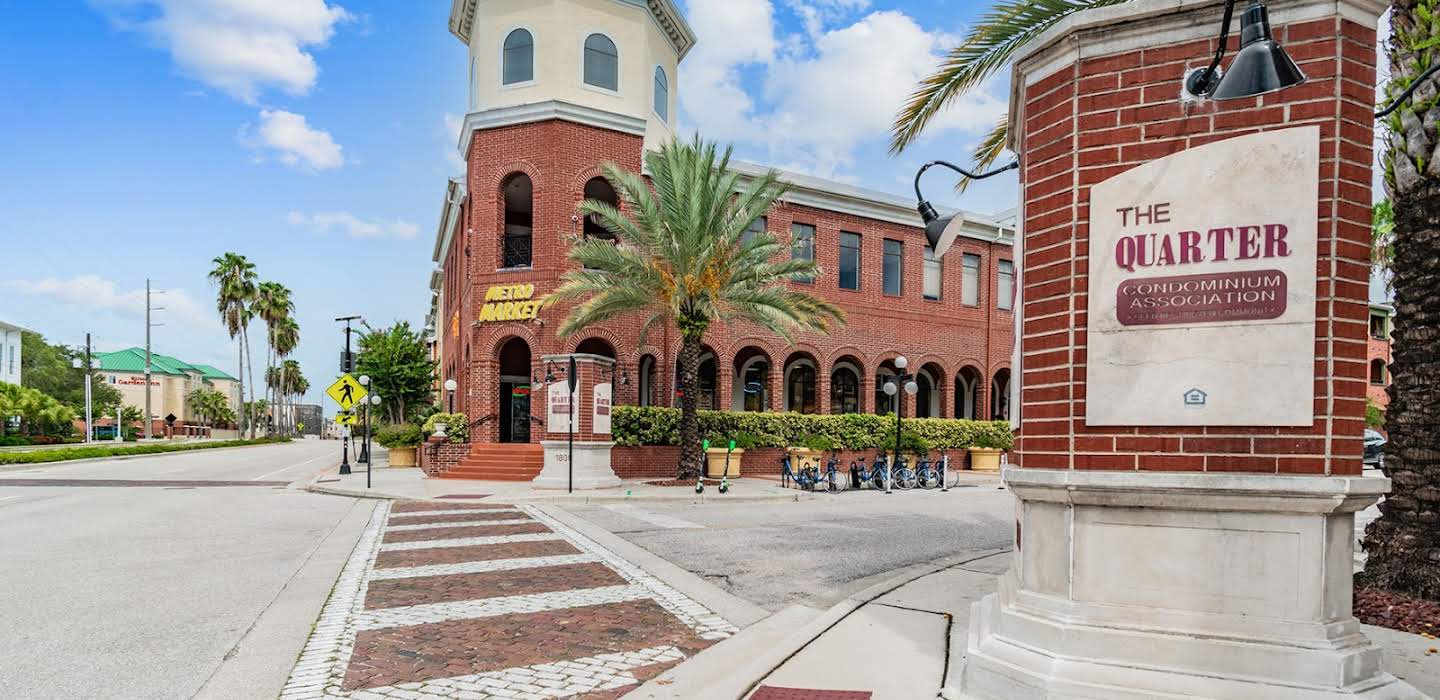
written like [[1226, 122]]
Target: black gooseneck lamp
[[940, 231], [1260, 67]]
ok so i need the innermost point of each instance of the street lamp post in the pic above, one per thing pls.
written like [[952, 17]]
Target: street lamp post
[[365, 445], [450, 386], [892, 388], [373, 400], [346, 362]]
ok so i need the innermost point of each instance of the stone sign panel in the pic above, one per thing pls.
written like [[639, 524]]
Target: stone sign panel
[[600, 405], [558, 398], [1202, 286]]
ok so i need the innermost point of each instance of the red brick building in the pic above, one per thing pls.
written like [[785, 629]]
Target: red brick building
[[1377, 351], [556, 92]]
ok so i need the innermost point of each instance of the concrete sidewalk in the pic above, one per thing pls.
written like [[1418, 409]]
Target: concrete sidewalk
[[902, 640]]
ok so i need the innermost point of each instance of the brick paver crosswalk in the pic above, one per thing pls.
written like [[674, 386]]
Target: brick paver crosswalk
[[481, 601]]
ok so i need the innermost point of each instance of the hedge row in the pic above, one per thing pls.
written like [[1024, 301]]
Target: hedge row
[[656, 425], [69, 453]]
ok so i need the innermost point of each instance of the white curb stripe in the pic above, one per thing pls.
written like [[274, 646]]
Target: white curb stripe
[[463, 523], [427, 613], [469, 541], [396, 517], [477, 567], [562, 679]]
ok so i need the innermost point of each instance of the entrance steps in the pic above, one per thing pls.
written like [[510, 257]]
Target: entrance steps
[[499, 461]]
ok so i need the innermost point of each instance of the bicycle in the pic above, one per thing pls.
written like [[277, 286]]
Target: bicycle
[[904, 477], [931, 474], [809, 478], [874, 475]]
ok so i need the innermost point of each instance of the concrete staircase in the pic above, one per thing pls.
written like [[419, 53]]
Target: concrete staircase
[[498, 461]]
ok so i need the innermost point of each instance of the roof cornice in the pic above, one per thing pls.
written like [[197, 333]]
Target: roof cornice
[[546, 111], [664, 13]]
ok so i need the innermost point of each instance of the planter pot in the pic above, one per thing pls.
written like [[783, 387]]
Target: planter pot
[[402, 456], [715, 462], [985, 459], [801, 458]]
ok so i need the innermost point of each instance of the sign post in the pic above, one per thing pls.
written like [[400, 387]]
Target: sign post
[[346, 392]]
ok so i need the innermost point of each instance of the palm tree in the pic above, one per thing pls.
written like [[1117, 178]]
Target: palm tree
[[272, 305], [287, 337], [293, 384], [1403, 544], [680, 255], [234, 276]]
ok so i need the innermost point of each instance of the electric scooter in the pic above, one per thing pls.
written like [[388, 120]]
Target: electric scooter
[[725, 478], [704, 455]]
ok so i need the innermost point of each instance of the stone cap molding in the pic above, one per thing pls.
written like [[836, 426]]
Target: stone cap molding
[[545, 111], [1207, 491], [1137, 25]]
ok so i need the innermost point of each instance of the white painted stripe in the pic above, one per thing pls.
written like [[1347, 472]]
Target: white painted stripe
[[8, 498], [476, 567], [563, 679], [429, 613], [468, 541], [262, 477], [462, 523], [397, 517], [657, 519]]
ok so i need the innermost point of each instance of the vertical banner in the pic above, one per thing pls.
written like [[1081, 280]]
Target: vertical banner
[[601, 407], [557, 401]]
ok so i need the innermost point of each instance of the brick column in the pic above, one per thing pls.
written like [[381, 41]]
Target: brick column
[[591, 467], [1141, 544]]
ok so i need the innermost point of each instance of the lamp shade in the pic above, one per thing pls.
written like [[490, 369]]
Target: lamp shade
[[1262, 65], [942, 232]]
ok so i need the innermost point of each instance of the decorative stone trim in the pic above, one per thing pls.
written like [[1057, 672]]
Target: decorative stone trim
[[1262, 493]]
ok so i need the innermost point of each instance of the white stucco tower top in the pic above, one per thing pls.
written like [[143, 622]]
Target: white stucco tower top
[[609, 62]]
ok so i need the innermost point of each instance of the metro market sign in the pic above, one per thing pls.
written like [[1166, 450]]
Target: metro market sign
[[510, 302]]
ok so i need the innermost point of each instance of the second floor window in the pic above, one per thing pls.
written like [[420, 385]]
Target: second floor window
[[662, 94], [518, 62], [1378, 330], [970, 279], [1005, 285], [602, 62], [756, 227], [516, 246], [931, 283], [802, 246], [893, 267], [849, 260]]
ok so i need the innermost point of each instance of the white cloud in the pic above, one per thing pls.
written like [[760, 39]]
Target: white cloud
[[352, 225], [732, 34], [95, 292], [294, 141], [238, 46]]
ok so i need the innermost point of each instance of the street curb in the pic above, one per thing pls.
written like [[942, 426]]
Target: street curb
[[315, 486], [121, 458], [767, 661]]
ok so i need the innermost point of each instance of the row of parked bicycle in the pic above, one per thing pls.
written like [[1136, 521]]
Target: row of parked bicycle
[[832, 478]]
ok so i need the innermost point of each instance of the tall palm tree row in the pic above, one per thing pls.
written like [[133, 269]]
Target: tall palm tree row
[[1403, 544], [287, 337], [234, 277], [272, 305], [680, 255]]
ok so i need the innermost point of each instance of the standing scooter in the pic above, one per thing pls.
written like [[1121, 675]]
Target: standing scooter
[[725, 478], [704, 455]]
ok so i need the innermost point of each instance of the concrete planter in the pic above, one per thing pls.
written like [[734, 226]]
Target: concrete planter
[[803, 458], [985, 459], [715, 462], [402, 456]]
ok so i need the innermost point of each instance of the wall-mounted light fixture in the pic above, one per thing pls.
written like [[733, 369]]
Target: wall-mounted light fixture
[[1261, 66], [941, 231]]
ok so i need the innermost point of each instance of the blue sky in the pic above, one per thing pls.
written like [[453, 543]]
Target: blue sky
[[144, 137]]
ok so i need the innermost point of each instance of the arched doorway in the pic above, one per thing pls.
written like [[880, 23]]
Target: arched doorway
[[927, 399], [751, 389], [967, 393], [1000, 396], [800, 385], [706, 371], [845, 386], [647, 380], [885, 403], [596, 346], [514, 403]]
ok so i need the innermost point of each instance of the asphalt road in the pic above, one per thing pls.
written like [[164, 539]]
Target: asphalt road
[[815, 552], [152, 590]]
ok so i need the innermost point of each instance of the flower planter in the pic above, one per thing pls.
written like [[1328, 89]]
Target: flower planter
[[715, 462], [804, 458], [985, 459], [402, 456]]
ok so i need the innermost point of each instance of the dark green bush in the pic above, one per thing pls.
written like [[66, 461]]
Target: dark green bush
[[14, 441], [656, 425], [69, 453], [403, 435]]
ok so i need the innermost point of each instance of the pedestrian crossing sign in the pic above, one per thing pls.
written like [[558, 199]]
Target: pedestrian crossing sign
[[346, 391], [345, 418]]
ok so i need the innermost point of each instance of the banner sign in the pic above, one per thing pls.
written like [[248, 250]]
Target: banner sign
[[557, 402], [600, 404], [1202, 286]]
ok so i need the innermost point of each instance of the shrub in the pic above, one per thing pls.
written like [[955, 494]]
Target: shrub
[[93, 452], [657, 425], [457, 426], [910, 443], [402, 435], [14, 441]]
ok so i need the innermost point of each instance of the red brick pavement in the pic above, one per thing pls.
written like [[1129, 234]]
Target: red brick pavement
[[475, 552], [452, 533], [393, 593], [422, 506], [478, 517]]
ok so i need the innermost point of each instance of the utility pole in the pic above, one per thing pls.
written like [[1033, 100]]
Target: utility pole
[[346, 363], [89, 373], [149, 417]]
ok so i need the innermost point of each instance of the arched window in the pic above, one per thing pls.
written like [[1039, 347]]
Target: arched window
[[598, 188], [662, 94], [647, 380], [1377, 371], [596, 346], [967, 393], [705, 372], [519, 217], [925, 396], [800, 388], [602, 62], [1000, 396], [884, 403], [844, 390], [518, 61]]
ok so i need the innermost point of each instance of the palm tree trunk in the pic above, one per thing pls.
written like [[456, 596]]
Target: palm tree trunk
[[1403, 544], [240, 377], [690, 457], [249, 365]]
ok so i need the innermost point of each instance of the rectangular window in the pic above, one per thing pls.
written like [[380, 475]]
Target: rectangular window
[[802, 246], [1377, 326], [931, 285], [970, 281], [849, 260], [1005, 285], [891, 270], [756, 227]]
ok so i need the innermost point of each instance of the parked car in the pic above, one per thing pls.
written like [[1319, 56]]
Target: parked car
[[1374, 449]]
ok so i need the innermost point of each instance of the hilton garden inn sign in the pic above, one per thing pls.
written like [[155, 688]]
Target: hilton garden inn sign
[[1202, 277]]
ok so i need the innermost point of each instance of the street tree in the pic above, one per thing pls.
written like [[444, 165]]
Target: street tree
[[399, 366], [681, 255], [234, 278], [273, 306], [50, 369]]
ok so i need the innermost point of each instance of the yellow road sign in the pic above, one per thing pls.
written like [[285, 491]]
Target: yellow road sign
[[345, 419], [346, 391]]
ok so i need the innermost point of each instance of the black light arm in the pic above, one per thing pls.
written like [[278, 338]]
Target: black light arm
[[927, 212], [1203, 82]]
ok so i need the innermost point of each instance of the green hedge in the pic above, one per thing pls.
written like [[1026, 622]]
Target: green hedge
[[68, 453], [457, 426], [655, 425]]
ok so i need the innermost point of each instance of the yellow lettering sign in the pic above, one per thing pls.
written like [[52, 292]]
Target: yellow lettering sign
[[510, 302]]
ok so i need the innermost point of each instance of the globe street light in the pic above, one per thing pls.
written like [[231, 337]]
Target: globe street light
[[450, 386], [373, 400], [891, 388], [365, 445]]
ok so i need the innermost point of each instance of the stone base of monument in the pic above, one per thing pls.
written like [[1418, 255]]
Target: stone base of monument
[[592, 466], [1152, 584]]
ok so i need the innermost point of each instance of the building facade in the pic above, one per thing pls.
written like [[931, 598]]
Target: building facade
[[171, 380], [1377, 351], [559, 88], [10, 352]]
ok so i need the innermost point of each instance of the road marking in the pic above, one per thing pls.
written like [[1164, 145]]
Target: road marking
[[477, 567], [463, 523], [656, 519], [277, 471], [399, 518], [470, 541], [8, 498], [430, 613]]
